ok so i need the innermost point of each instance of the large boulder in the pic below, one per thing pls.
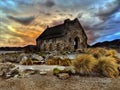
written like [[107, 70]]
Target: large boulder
[[36, 57], [22, 57]]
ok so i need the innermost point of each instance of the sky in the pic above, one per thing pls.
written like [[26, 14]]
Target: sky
[[22, 21]]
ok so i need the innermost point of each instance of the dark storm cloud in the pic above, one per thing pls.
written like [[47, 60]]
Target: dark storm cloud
[[109, 9], [49, 3], [22, 20]]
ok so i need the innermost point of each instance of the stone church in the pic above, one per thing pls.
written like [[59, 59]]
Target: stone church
[[69, 36]]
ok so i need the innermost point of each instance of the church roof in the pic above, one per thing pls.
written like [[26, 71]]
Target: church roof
[[56, 31]]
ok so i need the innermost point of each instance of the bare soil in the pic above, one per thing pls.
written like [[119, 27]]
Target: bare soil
[[50, 82]]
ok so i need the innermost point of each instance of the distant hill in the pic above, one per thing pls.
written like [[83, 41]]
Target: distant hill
[[115, 44], [28, 47]]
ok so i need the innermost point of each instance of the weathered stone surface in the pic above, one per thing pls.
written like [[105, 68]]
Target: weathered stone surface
[[8, 70], [63, 76], [22, 57], [43, 73], [31, 71], [8, 58], [36, 57]]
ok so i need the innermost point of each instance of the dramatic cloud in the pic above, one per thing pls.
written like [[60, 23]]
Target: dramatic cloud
[[109, 9]]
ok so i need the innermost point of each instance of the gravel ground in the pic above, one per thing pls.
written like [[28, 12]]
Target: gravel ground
[[50, 82]]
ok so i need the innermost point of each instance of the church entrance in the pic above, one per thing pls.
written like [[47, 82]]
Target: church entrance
[[76, 43]]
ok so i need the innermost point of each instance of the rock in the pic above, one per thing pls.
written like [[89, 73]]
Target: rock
[[8, 70], [63, 76], [26, 62], [14, 71], [31, 71], [43, 73], [21, 57], [70, 69], [36, 57], [8, 58]]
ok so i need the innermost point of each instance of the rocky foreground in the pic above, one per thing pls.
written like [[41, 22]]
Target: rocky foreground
[[21, 71]]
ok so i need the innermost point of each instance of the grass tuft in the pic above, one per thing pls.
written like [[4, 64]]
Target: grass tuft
[[84, 64], [108, 67]]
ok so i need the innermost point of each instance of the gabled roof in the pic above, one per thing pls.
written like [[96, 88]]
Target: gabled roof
[[53, 32], [56, 31]]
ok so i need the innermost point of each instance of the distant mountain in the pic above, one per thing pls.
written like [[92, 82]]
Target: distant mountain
[[28, 47], [115, 44]]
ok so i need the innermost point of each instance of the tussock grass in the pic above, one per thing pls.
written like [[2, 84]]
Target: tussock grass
[[96, 52], [111, 52], [108, 67], [84, 64]]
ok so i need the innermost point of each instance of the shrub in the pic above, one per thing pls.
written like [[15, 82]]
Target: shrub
[[84, 64], [108, 67], [56, 71]]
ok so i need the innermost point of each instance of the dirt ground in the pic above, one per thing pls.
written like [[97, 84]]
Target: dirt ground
[[50, 82]]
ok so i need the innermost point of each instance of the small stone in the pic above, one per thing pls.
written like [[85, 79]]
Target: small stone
[[30, 71], [43, 73], [63, 76]]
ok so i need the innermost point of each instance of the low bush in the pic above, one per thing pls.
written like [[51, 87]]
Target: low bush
[[84, 64], [56, 71], [108, 67]]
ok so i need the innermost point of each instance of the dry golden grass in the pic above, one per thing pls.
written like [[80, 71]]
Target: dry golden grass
[[58, 61], [108, 67], [65, 62], [53, 61], [84, 64], [96, 52], [111, 52], [100, 52]]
